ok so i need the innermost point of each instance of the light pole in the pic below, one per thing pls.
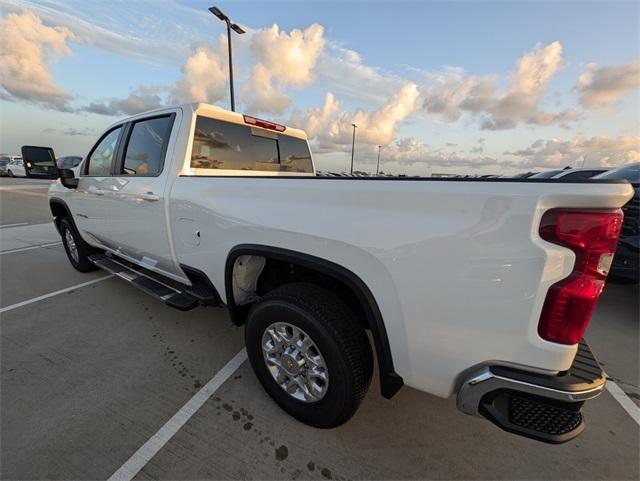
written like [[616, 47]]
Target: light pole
[[236, 28], [378, 165], [353, 145]]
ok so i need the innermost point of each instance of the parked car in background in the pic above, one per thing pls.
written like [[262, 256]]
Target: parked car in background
[[524, 175], [15, 168], [4, 160], [546, 174], [579, 174], [569, 174], [626, 261]]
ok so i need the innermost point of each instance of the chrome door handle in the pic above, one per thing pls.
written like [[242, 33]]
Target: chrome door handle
[[150, 196], [95, 191]]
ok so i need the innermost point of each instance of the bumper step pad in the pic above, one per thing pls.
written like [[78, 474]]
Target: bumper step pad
[[538, 417], [534, 417], [170, 295]]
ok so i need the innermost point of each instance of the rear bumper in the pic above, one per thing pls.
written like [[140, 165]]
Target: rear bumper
[[546, 408]]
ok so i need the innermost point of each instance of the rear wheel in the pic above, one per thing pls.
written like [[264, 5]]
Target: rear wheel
[[78, 251], [310, 353]]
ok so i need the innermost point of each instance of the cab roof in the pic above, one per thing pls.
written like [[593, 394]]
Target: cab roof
[[213, 111]]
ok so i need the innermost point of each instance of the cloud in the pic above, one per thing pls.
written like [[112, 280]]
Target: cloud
[[595, 151], [598, 87], [453, 93], [290, 57], [334, 132], [283, 59], [349, 77], [80, 132], [315, 119], [140, 100], [28, 49], [163, 49], [410, 150], [204, 75], [266, 97]]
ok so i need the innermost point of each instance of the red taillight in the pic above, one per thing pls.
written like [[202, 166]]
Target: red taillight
[[265, 124], [593, 237]]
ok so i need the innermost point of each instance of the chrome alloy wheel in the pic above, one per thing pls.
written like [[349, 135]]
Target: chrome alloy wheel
[[295, 362], [71, 244]]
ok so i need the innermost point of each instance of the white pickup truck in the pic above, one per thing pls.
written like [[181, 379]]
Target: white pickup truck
[[481, 288]]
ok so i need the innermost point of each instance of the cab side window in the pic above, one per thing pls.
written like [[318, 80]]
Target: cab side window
[[103, 154], [146, 147]]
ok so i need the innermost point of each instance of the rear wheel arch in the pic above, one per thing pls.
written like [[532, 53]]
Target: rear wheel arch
[[390, 381]]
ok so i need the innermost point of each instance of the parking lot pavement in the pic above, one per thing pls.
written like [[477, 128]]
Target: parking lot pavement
[[23, 201], [88, 376], [613, 334]]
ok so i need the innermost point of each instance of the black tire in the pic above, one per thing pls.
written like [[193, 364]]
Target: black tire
[[339, 337], [84, 250], [10, 173]]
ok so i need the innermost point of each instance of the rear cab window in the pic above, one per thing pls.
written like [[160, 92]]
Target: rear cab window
[[227, 148]]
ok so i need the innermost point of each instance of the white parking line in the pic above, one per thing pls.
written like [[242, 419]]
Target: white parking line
[[40, 246], [625, 401], [51, 294], [13, 225], [149, 449]]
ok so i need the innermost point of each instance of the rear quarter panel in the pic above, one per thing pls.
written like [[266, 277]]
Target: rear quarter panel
[[457, 268]]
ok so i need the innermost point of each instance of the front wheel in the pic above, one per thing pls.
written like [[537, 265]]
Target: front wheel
[[310, 353], [10, 173], [78, 251]]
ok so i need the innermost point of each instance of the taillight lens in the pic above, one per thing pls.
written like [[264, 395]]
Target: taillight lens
[[592, 236]]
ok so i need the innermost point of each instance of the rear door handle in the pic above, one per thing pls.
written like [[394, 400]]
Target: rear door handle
[[150, 196]]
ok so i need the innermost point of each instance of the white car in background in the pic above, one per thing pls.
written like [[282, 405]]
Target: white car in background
[[15, 168]]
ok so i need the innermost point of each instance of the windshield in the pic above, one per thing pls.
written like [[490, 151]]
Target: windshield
[[629, 172]]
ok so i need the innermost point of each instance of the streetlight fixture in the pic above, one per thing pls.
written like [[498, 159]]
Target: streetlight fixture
[[378, 165], [353, 145], [236, 28]]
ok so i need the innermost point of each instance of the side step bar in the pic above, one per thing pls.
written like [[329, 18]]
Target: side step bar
[[172, 296]]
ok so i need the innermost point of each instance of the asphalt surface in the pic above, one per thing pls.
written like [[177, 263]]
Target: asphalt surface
[[88, 376]]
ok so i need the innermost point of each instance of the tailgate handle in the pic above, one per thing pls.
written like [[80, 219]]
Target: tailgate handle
[[150, 196]]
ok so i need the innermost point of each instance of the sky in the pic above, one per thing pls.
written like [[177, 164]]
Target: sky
[[434, 87]]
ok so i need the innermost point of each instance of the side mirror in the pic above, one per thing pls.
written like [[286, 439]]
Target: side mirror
[[39, 162], [68, 179]]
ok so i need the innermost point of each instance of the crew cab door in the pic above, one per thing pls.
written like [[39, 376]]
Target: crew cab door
[[89, 203], [138, 227]]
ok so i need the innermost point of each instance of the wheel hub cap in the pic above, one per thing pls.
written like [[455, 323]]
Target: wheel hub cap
[[71, 244], [295, 362]]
